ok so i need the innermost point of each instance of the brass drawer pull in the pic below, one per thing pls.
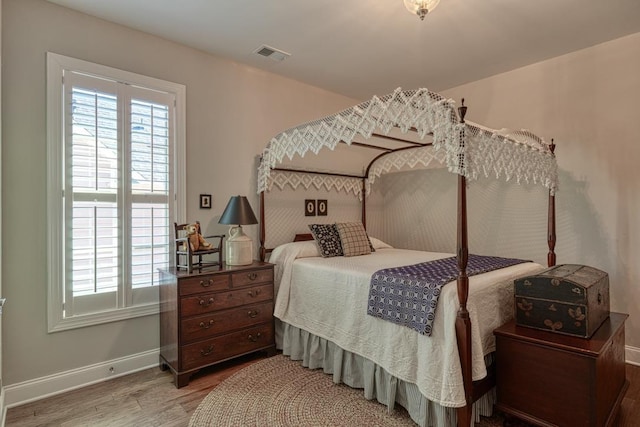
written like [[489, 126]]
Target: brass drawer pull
[[252, 276], [252, 313], [207, 325], [208, 351], [254, 293], [207, 283], [204, 303], [256, 338]]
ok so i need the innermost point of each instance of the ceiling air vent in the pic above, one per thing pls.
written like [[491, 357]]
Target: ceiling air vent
[[271, 53]]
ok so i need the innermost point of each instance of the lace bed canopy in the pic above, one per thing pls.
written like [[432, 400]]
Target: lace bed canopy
[[465, 148]]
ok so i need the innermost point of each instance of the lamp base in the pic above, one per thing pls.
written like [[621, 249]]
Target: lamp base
[[239, 247]]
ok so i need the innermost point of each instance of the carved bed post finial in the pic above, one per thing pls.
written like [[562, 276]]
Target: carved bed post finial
[[462, 111], [263, 251], [462, 246], [364, 202], [551, 221]]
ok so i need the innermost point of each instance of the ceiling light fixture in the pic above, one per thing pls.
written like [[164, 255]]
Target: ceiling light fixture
[[421, 7]]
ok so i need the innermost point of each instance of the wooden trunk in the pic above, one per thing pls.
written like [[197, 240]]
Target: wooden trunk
[[557, 380], [568, 299]]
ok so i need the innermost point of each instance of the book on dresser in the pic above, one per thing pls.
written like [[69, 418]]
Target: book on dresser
[[214, 315]]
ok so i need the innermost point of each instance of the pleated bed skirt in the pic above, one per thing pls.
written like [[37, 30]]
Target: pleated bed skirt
[[358, 372]]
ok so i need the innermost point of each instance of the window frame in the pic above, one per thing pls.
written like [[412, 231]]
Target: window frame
[[56, 65]]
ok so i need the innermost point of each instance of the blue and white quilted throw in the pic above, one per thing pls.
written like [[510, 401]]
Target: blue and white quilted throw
[[408, 295]]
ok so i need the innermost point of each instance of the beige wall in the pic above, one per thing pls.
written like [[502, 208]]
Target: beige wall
[[587, 101], [232, 111], [1, 294]]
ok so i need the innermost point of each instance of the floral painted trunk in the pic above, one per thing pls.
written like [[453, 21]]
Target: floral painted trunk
[[568, 299]]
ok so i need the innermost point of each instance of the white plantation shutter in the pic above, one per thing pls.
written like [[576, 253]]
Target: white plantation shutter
[[117, 182], [149, 159], [92, 216]]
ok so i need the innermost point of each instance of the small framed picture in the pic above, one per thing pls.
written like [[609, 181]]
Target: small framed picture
[[309, 207], [322, 207], [205, 201]]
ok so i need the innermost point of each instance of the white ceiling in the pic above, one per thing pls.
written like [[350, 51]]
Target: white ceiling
[[364, 47]]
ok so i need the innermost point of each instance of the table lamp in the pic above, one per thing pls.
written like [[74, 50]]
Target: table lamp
[[239, 246]]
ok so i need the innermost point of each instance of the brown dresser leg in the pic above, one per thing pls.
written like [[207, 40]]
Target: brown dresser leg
[[162, 364], [182, 380], [508, 421], [271, 351]]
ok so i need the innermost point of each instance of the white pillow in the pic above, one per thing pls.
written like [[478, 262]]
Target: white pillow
[[304, 249], [379, 244]]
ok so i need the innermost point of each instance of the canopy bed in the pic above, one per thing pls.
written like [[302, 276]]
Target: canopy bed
[[419, 372]]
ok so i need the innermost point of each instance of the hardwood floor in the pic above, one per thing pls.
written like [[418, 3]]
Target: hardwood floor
[[630, 410], [146, 398], [149, 398]]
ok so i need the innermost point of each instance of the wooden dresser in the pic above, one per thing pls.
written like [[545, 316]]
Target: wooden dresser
[[211, 316], [549, 379]]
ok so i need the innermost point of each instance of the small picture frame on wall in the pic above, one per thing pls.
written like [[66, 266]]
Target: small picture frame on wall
[[322, 207], [309, 207], [205, 201]]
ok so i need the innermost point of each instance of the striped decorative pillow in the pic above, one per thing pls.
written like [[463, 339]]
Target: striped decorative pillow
[[354, 238]]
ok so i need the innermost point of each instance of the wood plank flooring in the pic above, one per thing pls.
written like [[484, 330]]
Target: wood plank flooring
[[149, 398], [145, 398]]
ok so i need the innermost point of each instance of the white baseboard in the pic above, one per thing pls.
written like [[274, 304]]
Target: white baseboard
[[39, 388], [632, 355]]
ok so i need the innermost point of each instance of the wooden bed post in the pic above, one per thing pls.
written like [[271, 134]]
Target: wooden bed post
[[263, 252], [551, 222], [364, 203], [463, 322]]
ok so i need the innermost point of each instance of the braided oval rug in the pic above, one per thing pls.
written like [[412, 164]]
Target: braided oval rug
[[280, 392]]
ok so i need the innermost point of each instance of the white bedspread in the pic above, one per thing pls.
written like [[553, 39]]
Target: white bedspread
[[328, 297]]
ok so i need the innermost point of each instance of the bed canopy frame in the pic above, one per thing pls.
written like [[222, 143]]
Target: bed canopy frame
[[466, 149]]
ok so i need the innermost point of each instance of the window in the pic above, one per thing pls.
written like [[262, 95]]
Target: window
[[116, 160]]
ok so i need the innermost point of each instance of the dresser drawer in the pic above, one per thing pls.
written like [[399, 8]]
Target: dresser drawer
[[220, 322], [250, 277], [226, 346], [210, 302], [200, 284]]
